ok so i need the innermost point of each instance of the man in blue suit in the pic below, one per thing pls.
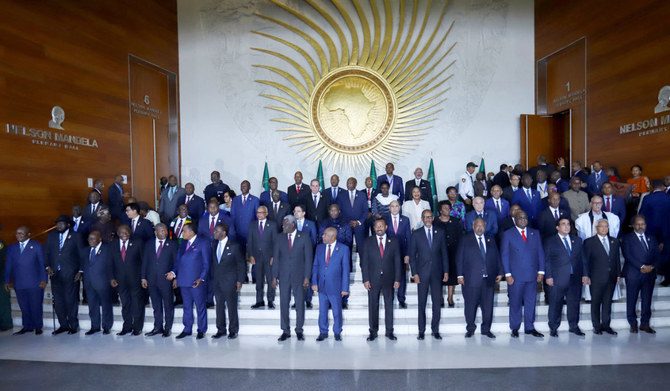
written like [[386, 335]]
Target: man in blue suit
[[157, 261], [562, 185], [115, 197], [330, 278], [612, 203], [596, 179], [190, 271], [563, 260], [96, 266], [334, 193], [479, 268], [479, 212], [354, 210], [308, 227], [266, 196], [243, 211], [523, 261], [640, 252], [398, 227], [194, 203], [497, 204], [213, 218], [394, 181], [344, 235], [140, 228], [24, 269], [429, 261], [528, 199], [656, 209]]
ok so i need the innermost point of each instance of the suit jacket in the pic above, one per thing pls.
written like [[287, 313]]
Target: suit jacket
[[331, 278], [425, 260], [292, 265], [508, 194], [532, 208], [599, 266], [656, 209], [547, 168], [373, 193], [67, 260], [344, 234], [319, 212], [309, 227], [563, 204], [196, 208], [328, 194], [636, 255], [593, 185], [243, 215], [584, 224], [266, 197], [97, 270], [130, 270], [582, 175], [403, 235], [217, 191], [501, 179], [25, 268], [523, 260], [89, 215], [223, 217], [295, 198], [562, 185], [154, 268], [396, 186], [426, 191], [231, 268], [491, 222], [193, 263], [261, 247], [380, 270], [617, 206], [546, 221], [359, 211], [168, 206], [115, 200], [144, 230], [472, 266], [490, 206], [562, 264], [284, 209]]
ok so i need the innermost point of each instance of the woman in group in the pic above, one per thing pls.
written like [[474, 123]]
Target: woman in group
[[639, 186], [228, 196], [457, 207], [413, 208], [381, 202], [453, 230], [481, 186]]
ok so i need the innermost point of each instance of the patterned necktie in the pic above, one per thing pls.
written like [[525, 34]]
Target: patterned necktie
[[123, 251], [178, 230], [430, 238], [160, 248], [644, 243], [381, 246], [328, 255], [523, 235], [528, 194], [60, 242]]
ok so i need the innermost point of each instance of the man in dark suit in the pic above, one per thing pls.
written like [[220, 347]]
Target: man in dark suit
[[315, 203], [548, 217], [478, 267], [561, 184], [99, 186], [330, 278], [216, 188], [62, 259], [334, 193], [640, 252], [614, 204], [115, 198], [310, 228], [266, 196], [394, 181], [656, 208], [93, 206], [157, 261], [508, 192], [479, 212], [354, 210], [399, 228], [126, 275], [227, 273], [523, 261], [380, 267], [298, 192], [96, 266], [292, 267], [25, 272], [194, 203], [602, 271], [370, 192], [580, 173], [190, 271], [140, 228], [563, 261], [171, 198], [596, 179], [542, 165], [243, 211], [260, 245], [214, 217], [502, 177], [277, 209], [422, 184], [528, 199], [497, 204], [429, 262]]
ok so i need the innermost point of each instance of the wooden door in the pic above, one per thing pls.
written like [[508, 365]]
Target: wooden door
[[548, 135]]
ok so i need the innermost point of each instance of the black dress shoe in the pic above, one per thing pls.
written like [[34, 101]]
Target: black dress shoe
[[136, 333], [633, 329], [284, 337], [391, 337], [218, 334], [436, 335], [534, 333], [338, 337], [666, 282], [293, 306], [345, 306], [210, 305], [489, 334], [553, 333], [371, 337], [105, 331], [154, 332], [300, 336], [60, 330], [421, 336], [321, 337], [597, 332], [402, 304], [271, 305], [123, 332], [260, 304], [515, 333], [469, 334], [609, 331], [70, 332], [183, 335], [200, 336], [92, 331], [253, 280], [232, 336], [23, 331], [577, 331], [38, 331], [308, 305], [647, 329], [166, 333]]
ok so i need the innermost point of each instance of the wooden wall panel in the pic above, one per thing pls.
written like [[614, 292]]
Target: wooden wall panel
[[75, 55], [627, 62]]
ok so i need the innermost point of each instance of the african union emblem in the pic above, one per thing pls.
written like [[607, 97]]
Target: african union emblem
[[374, 101]]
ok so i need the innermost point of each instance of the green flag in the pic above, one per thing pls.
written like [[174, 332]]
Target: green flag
[[319, 176], [481, 166], [433, 185], [266, 178], [373, 174]]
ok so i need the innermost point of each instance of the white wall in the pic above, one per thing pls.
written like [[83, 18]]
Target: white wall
[[224, 124]]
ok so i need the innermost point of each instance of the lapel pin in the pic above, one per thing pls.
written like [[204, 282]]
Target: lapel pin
[[337, 248], [488, 240], [167, 244], [388, 241], [130, 244], [69, 236]]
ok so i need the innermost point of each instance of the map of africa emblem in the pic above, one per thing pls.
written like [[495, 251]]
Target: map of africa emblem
[[369, 102]]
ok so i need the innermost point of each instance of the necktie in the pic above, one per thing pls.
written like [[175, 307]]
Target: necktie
[[351, 198], [644, 243], [567, 245], [606, 245], [211, 225], [23, 245], [123, 251], [260, 228], [556, 214], [290, 243], [328, 255], [60, 242], [528, 194], [76, 225], [276, 208], [523, 235], [244, 200], [481, 216], [482, 249], [334, 193], [430, 238], [178, 230], [219, 252], [297, 189], [597, 176], [300, 225], [607, 204], [368, 194], [188, 199], [92, 208], [91, 255], [188, 245], [395, 224], [498, 206], [316, 203], [160, 248], [134, 225], [381, 246], [170, 193]]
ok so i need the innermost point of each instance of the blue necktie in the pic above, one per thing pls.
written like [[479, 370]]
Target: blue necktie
[[219, 253], [567, 247], [23, 246], [644, 243], [483, 251], [528, 193], [60, 242], [430, 238], [91, 255], [299, 225]]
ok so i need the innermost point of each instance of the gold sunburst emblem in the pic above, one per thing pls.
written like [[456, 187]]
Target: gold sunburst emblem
[[369, 103]]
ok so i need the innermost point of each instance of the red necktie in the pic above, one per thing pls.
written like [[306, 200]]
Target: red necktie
[[607, 205], [211, 226], [123, 251], [290, 243], [381, 246], [297, 189], [368, 194], [160, 248], [328, 255], [188, 199], [395, 224], [523, 235]]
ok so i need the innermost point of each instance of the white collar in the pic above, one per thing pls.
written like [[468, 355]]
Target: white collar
[[261, 222], [223, 242], [25, 242], [97, 248], [64, 233], [560, 235], [382, 237], [192, 239], [160, 240], [216, 216], [601, 237]]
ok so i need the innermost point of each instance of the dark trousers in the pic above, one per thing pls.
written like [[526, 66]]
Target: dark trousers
[[402, 289], [264, 276], [478, 296], [308, 294], [99, 297], [601, 303], [434, 284], [572, 293], [522, 294], [132, 305], [195, 296], [285, 291], [373, 307], [226, 296], [66, 300], [30, 303], [642, 285], [162, 302]]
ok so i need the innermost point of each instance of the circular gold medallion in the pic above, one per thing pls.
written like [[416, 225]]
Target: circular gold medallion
[[353, 109]]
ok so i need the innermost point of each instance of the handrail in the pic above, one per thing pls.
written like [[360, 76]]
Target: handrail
[[43, 232]]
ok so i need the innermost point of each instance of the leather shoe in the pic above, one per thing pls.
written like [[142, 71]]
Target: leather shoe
[[154, 332], [300, 336], [345, 306], [609, 331], [308, 305], [271, 305], [209, 305], [338, 337], [38, 331], [232, 336], [436, 335], [183, 335], [633, 329], [166, 333], [105, 332], [218, 335], [515, 333], [70, 332], [469, 334], [553, 333], [92, 331], [489, 334], [391, 337], [421, 336], [647, 329], [260, 304], [577, 331], [200, 336], [534, 333], [123, 332], [402, 304], [136, 333], [23, 331], [597, 332], [60, 330], [371, 337], [321, 337], [284, 337]]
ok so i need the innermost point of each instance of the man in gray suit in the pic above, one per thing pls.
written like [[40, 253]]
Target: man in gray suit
[[260, 246], [171, 198], [292, 265]]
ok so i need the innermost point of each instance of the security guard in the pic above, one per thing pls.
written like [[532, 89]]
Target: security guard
[[466, 189]]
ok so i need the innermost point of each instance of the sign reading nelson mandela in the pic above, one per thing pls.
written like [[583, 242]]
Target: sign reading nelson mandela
[[54, 139]]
